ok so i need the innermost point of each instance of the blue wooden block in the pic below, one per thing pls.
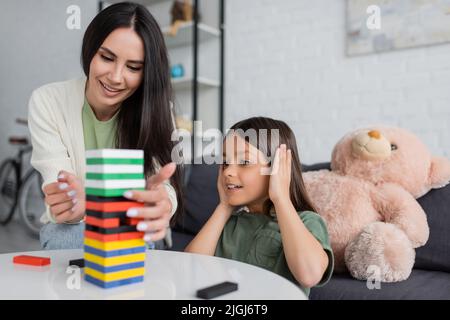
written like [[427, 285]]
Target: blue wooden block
[[112, 284], [120, 267], [113, 253]]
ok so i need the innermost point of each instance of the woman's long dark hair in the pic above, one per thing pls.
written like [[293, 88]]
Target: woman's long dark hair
[[144, 120], [297, 190]]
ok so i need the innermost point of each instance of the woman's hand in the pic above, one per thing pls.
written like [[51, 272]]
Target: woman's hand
[[156, 213], [280, 178], [66, 198]]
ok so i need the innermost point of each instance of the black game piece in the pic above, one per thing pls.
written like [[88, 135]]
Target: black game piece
[[217, 290], [77, 262], [106, 199], [121, 229], [106, 215]]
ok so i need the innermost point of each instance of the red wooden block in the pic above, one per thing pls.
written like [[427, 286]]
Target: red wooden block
[[31, 260], [101, 237], [103, 223], [113, 237], [131, 235], [133, 221], [112, 206]]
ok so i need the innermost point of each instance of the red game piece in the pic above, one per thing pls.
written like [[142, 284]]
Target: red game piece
[[113, 237], [112, 206], [103, 223], [133, 221], [101, 237], [31, 260]]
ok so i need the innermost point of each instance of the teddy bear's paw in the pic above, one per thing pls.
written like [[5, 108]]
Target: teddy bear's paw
[[382, 252]]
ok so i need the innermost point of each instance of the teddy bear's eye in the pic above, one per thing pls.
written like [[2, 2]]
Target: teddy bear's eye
[[394, 147]]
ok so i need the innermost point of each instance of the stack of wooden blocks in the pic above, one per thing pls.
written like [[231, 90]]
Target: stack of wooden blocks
[[114, 252]]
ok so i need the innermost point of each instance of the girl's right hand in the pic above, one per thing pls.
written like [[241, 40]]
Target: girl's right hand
[[66, 198], [220, 188]]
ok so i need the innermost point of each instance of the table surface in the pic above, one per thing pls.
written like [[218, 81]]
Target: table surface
[[169, 275]]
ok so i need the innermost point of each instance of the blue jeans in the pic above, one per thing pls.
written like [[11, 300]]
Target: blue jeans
[[62, 236], [55, 236]]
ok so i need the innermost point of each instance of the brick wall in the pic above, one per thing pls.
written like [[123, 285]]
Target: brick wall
[[286, 59]]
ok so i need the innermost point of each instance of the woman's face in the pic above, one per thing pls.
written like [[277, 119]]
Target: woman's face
[[116, 70], [242, 179]]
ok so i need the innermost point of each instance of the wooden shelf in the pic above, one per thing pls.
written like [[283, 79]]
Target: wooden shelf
[[185, 34], [186, 83]]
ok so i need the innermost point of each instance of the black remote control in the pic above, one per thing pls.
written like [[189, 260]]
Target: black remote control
[[217, 290]]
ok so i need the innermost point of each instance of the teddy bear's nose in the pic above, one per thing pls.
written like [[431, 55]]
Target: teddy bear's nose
[[374, 134]]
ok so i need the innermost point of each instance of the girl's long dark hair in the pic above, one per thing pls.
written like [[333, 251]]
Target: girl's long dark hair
[[144, 120], [298, 194]]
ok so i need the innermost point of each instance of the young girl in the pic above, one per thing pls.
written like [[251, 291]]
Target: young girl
[[266, 220]]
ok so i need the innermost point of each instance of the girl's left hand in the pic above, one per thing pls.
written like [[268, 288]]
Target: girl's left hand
[[156, 213], [280, 177]]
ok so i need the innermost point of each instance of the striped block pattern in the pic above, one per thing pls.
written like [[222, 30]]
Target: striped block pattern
[[114, 251]]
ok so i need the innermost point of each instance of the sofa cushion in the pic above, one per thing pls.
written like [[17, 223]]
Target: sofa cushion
[[201, 197], [316, 166], [180, 240], [435, 254], [421, 284]]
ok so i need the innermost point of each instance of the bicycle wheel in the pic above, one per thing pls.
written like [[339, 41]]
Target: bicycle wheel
[[31, 201], [8, 190]]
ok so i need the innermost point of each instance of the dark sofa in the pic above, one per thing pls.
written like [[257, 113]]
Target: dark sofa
[[430, 278]]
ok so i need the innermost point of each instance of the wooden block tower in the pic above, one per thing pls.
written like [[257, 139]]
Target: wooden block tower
[[114, 252]]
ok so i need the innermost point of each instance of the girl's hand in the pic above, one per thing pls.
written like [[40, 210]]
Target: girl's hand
[[157, 211], [220, 188], [280, 178], [66, 198]]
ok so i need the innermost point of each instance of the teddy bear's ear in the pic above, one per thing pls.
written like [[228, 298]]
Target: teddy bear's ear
[[439, 172]]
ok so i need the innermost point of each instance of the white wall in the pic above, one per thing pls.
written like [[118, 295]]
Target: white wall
[[286, 59], [36, 48]]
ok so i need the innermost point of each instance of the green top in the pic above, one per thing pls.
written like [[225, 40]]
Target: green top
[[256, 239], [98, 134]]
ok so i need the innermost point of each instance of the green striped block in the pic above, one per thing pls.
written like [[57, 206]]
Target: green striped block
[[90, 161], [108, 192], [108, 176]]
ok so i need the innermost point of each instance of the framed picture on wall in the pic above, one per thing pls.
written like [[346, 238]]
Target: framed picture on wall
[[385, 25]]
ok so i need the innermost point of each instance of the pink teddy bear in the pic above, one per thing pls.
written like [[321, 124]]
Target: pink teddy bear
[[368, 200]]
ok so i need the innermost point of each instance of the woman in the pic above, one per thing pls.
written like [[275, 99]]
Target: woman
[[123, 102]]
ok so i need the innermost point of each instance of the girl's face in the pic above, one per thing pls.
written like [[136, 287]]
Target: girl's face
[[116, 70], [242, 179]]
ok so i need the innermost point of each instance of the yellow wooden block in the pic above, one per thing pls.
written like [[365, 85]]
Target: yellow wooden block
[[114, 245], [113, 276], [114, 261]]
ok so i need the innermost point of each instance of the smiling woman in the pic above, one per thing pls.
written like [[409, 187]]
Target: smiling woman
[[123, 101]]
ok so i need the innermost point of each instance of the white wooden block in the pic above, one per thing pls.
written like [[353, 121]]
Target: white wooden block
[[115, 153]]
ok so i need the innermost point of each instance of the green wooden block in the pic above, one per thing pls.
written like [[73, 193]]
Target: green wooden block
[[91, 161]]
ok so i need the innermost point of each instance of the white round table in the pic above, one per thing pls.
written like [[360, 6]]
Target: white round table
[[169, 275]]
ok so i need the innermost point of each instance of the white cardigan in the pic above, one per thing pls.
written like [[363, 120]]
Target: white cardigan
[[55, 123]]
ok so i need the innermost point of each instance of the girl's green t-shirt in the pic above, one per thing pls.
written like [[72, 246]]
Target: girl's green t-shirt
[[98, 134], [256, 239]]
